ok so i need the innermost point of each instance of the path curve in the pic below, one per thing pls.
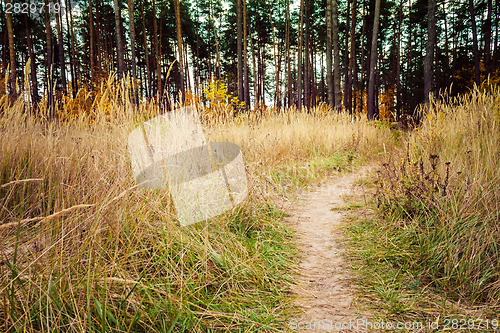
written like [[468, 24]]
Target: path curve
[[324, 289]]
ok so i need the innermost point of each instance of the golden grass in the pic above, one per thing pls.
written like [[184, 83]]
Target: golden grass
[[83, 249]]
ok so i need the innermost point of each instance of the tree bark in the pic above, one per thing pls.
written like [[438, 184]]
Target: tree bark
[[48, 37], [131, 24], [179, 47], [307, 55], [246, 81], [60, 42], [299, 56], [352, 57], [239, 55], [159, 90], [119, 45], [373, 63], [346, 58], [75, 74], [149, 91], [398, 64], [429, 54], [91, 42], [12, 54], [34, 82], [487, 39], [336, 56], [477, 75], [288, 57], [329, 60]]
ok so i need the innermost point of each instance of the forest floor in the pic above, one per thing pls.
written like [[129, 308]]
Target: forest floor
[[325, 290]]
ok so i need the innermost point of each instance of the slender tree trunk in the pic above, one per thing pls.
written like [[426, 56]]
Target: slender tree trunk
[[73, 59], [239, 42], [363, 61], [429, 54], [149, 91], [255, 77], [197, 77], [48, 36], [277, 93], [246, 81], [119, 45], [159, 90], [179, 47], [398, 64], [217, 51], [5, 42], [307, 55], [12, 54], [496, 52], [446, 48], [62, 62], [487, 39], [288, 58], [131, 24], [299, 57], [346, 59], [336, 56], [373, 63], [329, 60], [34, 82], [92, 40], [477, 75], [352, 57]]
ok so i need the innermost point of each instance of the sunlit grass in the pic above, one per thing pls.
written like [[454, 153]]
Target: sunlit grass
[[83, 249]]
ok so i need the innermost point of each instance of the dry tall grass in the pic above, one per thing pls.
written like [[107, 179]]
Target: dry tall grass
[[83, 249], [442, 193]]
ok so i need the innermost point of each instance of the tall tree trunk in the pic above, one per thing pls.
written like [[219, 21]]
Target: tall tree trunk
[[119, 45], [73, 61], [352, 57], [179, 47], [447, 76], [277, 94], [373, 63], [288, 57], [131, 24], [299, 56], [197, 58], [255, 76], [48, 37], [398, 64], [363, 60], [149, 91], [487, 39], [60, 45], [92, 41], [346, 58], [217, 51], [496, 53], [307, 55], [12, 53], [477, 75], [336, 56], [429, 53], [246, 81], [329, 60], [34, 82], [239, 55], [159, 90]]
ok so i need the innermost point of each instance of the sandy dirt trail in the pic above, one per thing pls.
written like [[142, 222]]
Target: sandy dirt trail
[[324, 289]]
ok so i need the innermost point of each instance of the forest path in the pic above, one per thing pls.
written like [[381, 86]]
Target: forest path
[[324, 290]]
